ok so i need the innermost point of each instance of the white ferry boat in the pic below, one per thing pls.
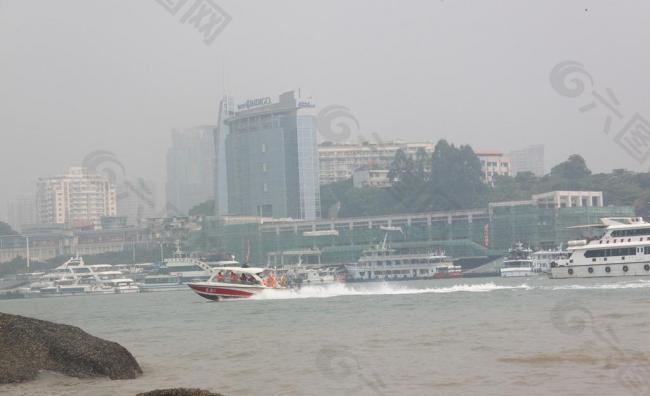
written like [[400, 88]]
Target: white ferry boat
[[622, 250], [518, 263], [381, 263]]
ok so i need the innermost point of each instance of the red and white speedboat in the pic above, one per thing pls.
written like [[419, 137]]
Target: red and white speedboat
[[230, 282]]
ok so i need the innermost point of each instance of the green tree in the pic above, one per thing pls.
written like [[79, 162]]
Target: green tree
[[5, 229], [456, 178], [203, 209], [573, 168], [422, 163], [401, 166]]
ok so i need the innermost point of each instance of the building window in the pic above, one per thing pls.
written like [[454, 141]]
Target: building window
[[264, 147], [264, 167], [266, 187]]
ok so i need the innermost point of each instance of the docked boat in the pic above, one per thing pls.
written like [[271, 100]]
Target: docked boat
[[232, 282], [155, 283], [623, 249], [74, 277], [448, 271], [381, 263], [188, 268], [542, 259], [518, 262], [300, 275]]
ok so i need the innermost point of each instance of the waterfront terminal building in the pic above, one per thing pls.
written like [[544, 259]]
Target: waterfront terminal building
[[472, 235]]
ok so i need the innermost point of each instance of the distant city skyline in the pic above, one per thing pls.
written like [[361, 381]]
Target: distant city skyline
[[471, 73]]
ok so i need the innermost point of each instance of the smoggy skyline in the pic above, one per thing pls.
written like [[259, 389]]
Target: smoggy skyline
[[79, 76]]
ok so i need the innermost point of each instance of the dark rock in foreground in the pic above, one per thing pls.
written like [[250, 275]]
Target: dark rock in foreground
[[179, 392], [29, 345]]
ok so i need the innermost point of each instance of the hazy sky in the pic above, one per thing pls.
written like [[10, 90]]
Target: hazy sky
[[82, 75]]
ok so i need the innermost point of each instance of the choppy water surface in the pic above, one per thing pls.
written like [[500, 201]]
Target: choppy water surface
[[487, 336]]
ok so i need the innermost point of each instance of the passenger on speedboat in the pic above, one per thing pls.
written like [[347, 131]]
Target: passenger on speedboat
[[220, 277], [270, 281]]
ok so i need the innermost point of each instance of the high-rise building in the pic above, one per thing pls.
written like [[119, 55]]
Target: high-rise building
[[190, 168], [272, 159], [137, 200], [226, 109], [528, 159], [79, 197], [21, 211]]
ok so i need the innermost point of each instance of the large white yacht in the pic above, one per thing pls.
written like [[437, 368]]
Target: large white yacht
[[622, 250]]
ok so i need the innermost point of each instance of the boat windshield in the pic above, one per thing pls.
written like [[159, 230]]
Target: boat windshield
[[237, 277]]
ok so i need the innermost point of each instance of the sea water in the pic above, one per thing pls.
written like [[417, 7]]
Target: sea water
[[489, 336]]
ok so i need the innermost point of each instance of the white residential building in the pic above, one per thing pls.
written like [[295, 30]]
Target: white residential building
[[79, 197], [339, 161], [569, 199], [371, 178], [493, 164]]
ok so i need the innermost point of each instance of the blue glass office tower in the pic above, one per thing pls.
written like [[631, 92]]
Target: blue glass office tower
[[272, 159]]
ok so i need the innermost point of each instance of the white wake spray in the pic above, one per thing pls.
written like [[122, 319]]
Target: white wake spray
[[398, 288], [370, 289]]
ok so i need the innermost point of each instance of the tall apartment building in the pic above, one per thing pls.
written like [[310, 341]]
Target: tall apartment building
[[340, 161], [528, 159], [190, 168], [272, 159], [78, 197]]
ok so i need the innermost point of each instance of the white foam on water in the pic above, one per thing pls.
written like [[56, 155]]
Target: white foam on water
[[367, 289], [605, 286]]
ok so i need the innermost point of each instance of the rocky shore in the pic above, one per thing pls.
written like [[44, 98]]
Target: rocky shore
[[30, 345]]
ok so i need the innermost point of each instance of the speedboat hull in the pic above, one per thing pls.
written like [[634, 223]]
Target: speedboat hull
[[216, 291]]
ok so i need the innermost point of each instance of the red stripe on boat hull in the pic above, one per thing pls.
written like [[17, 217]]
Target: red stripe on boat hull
[[448, 275], [211, 292]]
